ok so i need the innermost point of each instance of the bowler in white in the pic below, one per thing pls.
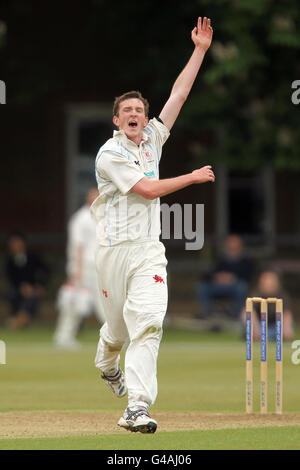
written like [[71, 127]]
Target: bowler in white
[[130, 258]]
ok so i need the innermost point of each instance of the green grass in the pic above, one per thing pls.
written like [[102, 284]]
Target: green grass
[[283, 438], [197, 371]]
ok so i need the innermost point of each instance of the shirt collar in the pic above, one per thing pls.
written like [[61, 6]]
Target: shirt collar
[[122, 135]]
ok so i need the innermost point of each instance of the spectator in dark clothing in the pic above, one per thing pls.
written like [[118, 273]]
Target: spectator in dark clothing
[[230, 278], [27, 276]]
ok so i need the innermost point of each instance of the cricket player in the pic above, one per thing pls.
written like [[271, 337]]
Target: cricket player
[[130, 259], [79, 296]]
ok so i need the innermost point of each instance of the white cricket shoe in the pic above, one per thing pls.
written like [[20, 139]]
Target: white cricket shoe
[[138, 420], [116, 383]]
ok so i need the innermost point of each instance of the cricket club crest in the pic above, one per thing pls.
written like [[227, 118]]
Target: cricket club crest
[[148, 156], [148, 161]]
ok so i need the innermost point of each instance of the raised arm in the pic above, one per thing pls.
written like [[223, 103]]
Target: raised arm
[[201, 37]]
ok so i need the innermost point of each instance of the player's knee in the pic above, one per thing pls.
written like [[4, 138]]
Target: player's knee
[[153, 330], [153, 327]]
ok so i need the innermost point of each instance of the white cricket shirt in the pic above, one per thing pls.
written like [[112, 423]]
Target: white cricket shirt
[[122, 216], [81, 234]]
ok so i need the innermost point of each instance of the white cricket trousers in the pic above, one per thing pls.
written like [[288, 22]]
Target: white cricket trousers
[[133, 283], [76, 302]]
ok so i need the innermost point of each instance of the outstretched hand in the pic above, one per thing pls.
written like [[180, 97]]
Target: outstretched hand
[[202, 34]]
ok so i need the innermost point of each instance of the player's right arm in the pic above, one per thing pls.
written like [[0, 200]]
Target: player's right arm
[[150, 189]]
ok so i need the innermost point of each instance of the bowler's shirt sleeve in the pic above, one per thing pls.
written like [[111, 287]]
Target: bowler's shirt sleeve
[[115, 167], [160, 132]]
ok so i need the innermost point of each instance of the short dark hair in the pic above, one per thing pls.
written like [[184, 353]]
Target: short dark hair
[[127, 96], [16, 234]]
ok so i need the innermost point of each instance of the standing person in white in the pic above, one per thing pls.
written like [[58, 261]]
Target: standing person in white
[[130, 259], [79, 296]]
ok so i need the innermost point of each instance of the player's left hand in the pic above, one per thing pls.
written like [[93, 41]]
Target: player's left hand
[[202, 34]]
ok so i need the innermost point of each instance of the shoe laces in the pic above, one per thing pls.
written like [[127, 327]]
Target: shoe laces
[[136, 413]]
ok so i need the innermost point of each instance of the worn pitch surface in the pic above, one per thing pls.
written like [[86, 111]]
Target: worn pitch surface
[[24, 424]]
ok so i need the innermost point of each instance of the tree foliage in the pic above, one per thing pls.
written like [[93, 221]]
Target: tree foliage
[[240, 110], [245, 105]]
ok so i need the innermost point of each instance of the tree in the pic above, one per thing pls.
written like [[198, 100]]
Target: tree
[[240, 111]]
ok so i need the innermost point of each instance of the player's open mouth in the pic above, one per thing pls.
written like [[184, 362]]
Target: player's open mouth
[[132, 124]]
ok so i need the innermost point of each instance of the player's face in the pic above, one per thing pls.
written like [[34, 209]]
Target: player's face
[[16, 245], [131, 118], [269, 283]]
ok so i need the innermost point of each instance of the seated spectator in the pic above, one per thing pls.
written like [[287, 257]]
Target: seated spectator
[[269, 285], [27, 275], [230, 278]]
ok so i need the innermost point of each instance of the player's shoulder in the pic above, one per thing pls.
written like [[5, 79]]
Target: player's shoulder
[[110, 144], [151, 127], [112, 148], [155, 125]]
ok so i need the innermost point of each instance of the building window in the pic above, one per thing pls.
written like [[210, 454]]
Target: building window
[[245, 205], [88, 128]]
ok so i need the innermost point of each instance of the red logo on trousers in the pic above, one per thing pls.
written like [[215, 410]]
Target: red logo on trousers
[[104, 292], [158, 278]]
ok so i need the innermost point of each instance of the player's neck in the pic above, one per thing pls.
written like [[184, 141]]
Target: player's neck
[[136, 139]]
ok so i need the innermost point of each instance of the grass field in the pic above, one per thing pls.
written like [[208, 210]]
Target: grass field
[[52, 399]]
